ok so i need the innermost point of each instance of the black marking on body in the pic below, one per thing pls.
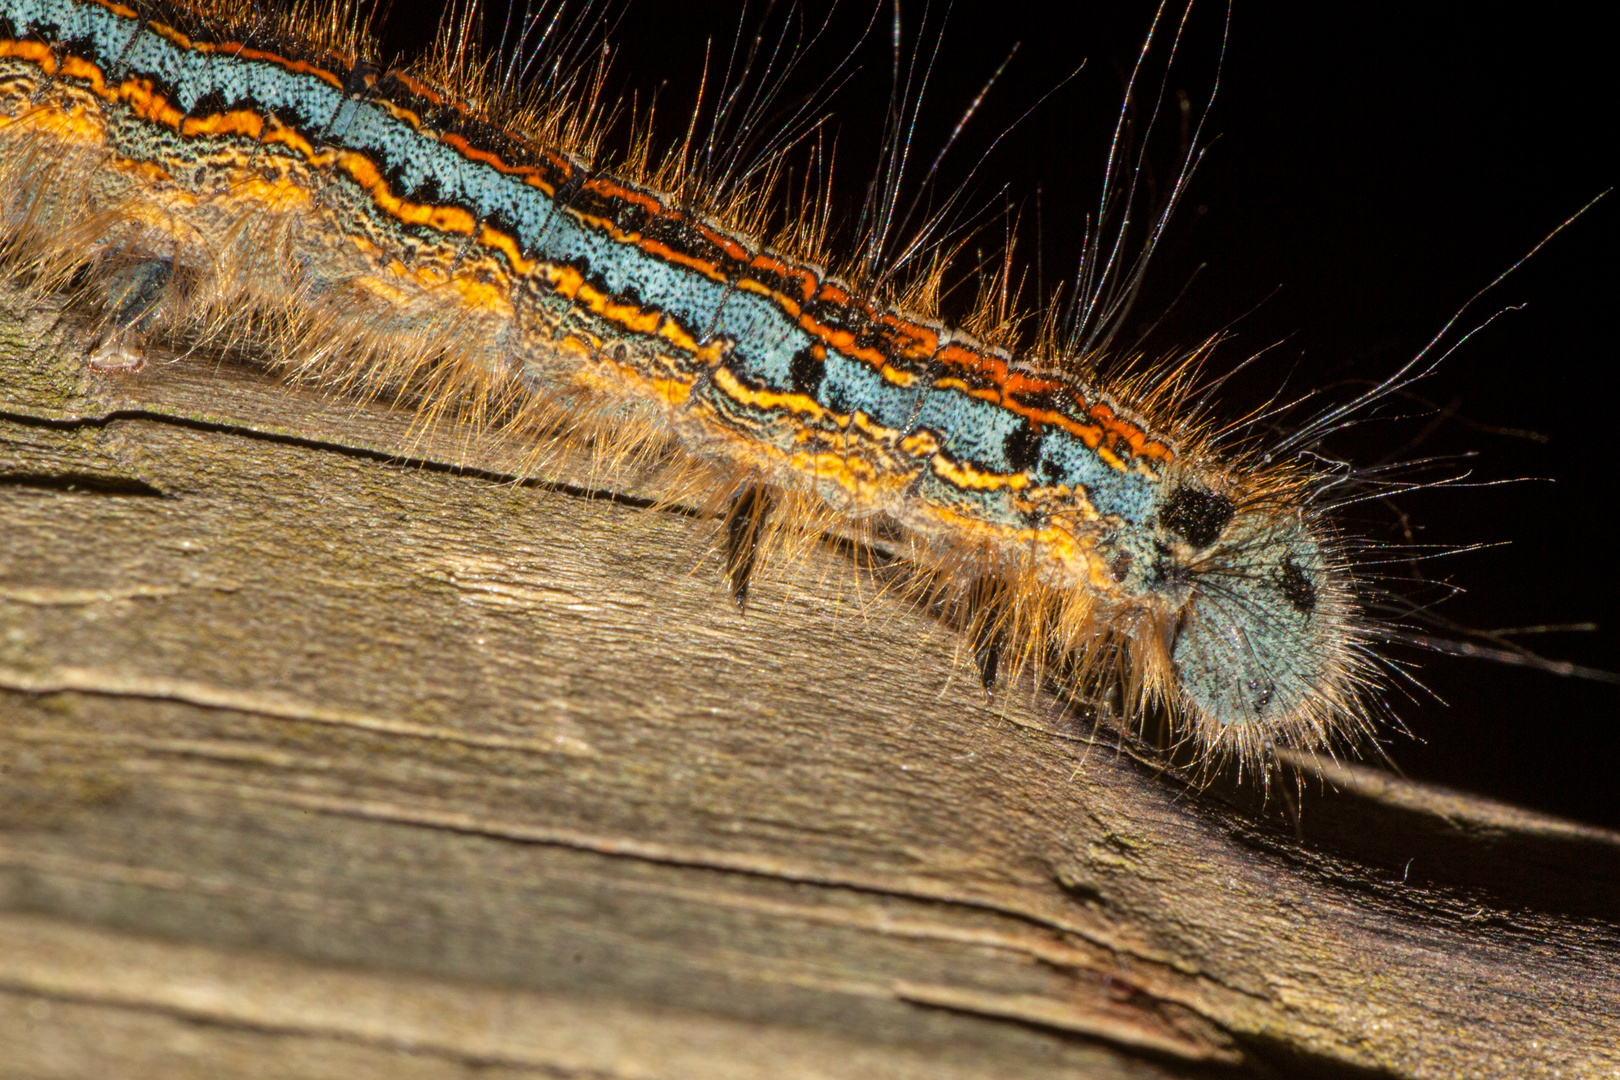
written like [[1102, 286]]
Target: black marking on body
[[590, 275], [213, 102], [362, 77], [1297, 588], [1197, 516], [430, 190], [631, 217], [835, 398], [570, 188], [1022, 446], [807, 370]]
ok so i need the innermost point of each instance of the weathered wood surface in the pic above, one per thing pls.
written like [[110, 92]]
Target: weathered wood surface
[[318, 763]]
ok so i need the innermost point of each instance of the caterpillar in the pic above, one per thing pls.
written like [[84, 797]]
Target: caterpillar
[[429, 231]]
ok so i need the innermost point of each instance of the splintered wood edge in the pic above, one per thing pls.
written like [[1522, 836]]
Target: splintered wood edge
[[120, 982]]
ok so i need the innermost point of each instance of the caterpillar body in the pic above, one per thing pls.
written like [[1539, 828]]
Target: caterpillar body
[[385, 232]]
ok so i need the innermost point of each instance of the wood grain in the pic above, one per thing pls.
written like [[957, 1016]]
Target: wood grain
[[330, 748]]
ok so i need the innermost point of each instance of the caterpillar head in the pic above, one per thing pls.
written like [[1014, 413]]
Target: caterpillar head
[[1257, 636]]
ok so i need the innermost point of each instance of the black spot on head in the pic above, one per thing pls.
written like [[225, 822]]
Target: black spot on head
[[1022, 447], [1166, 568], [1297, 588], [1197, 516], [807, 370], [1120, 565]]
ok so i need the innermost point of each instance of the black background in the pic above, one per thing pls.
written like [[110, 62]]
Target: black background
[[1371, 166]]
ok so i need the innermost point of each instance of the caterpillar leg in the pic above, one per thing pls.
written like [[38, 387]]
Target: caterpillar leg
[[984, 619], [745, 525], [130, 292]]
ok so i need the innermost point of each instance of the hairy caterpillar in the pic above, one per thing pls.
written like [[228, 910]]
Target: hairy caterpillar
[[215, 168]]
